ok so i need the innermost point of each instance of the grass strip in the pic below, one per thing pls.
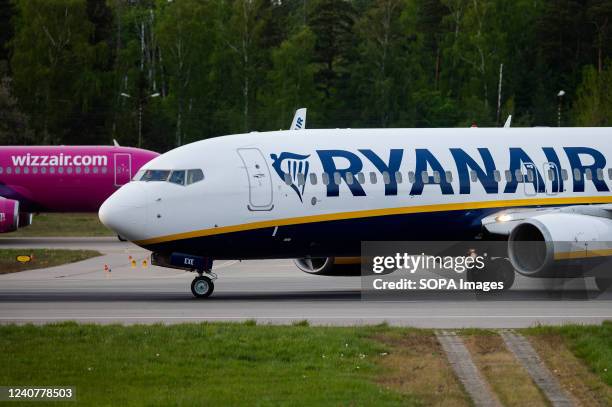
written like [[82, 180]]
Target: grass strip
[[41, 258], [65, 225]]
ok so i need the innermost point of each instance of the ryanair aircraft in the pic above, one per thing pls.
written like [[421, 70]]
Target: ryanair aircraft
[[315, 195]]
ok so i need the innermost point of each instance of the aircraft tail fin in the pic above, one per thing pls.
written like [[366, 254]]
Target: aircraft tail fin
[[299, 120], [508, 122], [115, 143]]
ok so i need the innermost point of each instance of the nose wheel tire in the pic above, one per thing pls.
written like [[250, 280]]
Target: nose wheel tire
[[202, 287]]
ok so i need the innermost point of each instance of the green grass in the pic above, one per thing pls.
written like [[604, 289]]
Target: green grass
[[63, 224], [201, 364], [591, 343], [41, 258]]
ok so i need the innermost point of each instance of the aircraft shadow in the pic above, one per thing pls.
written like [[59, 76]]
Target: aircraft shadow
[[299, 296]]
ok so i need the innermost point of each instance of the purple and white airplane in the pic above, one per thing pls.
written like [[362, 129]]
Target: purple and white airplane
[[61, 179]]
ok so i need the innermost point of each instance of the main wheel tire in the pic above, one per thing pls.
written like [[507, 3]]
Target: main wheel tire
[[603, 284], [497, 270], [202, 287], [504, 273]]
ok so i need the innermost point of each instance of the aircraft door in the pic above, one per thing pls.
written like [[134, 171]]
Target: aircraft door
[[123, 168], [530, 179], [552, 178], [260, 182]]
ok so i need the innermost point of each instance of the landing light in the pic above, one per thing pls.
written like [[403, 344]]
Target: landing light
[[504, 218]]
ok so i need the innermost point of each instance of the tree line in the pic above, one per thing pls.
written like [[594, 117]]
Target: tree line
[[176, 71]]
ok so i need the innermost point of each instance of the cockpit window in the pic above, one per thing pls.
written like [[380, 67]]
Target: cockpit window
[[194, 176], [138, 175], [155, 175], [178, 177]]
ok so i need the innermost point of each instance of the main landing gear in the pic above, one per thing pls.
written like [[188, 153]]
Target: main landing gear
[[497, 270], [202, 286]]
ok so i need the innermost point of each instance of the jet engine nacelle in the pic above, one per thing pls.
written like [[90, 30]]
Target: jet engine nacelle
[[9, 215], [330, 266], [560, 244]]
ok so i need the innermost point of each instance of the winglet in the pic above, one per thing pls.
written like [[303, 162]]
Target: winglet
[[299, 120], [115, 143], [508, 122]]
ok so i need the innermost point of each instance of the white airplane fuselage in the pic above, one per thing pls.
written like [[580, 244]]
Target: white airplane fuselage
[[290, 194]]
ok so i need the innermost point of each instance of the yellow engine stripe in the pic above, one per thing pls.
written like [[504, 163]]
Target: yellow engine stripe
[[378, 212], [583, 254]]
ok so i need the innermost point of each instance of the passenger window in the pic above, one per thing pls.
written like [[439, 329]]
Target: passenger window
[[497, 175], [564, 175], [449, 176], [35, 170], [9, 170], [386, 178], [508, 174], [78, 170], [26, 170], [1, 170], [350, 178], [337, 178], [301, 179], [424, 177], [43, 170], [610, 173], [17, 170], [194, 176], [473, 176], [325, 178], [436, 176], [178, 177], [86, 171], [313, 179], [589, 174], [104, 170], [288, 179], [600, 174], [577, 175], [519, 175], [551, 174], [69, 170], [361, 178], [398, 177], [373, 179], [530, 175], [411, 177], [95, 170]]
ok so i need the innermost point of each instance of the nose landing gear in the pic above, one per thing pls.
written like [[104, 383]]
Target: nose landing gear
[[202, 286]]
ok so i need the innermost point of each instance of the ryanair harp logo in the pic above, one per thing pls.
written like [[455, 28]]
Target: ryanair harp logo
[[293, 170]]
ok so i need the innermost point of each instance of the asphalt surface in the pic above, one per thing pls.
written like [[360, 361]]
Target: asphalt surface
[[269, 291]]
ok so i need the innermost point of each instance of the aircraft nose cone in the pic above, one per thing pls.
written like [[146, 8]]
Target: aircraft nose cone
[[125, 212]]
